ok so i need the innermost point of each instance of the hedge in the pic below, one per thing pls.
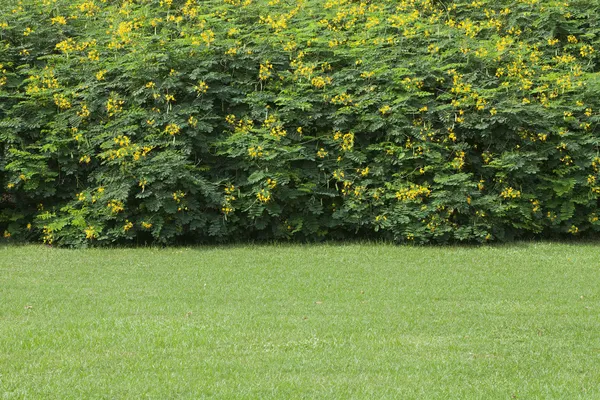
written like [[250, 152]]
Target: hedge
[[147, 121]]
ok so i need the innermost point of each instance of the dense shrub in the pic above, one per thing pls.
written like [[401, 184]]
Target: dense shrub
[[411, 120]]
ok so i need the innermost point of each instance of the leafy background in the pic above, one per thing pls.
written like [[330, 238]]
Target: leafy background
[[196, 121]]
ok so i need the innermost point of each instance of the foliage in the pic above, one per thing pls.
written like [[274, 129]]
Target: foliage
[[411, 120]]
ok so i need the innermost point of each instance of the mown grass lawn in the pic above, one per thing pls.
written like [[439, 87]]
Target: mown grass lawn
[[325, 321]]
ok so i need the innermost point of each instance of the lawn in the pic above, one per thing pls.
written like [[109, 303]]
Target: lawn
[[363, 321]]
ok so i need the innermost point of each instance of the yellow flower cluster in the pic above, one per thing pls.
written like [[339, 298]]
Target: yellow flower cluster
[[115, 206], [84, 112], [90, 233], [201, 87], [59, 19], [100, 75], [89, 8], [412, 84], [278, 131], [242, 126], [385, 109], [263, 195], [322, 153], [343, 99], [128, 225], [70, 45], [47, 235], [255, 152], [238, 3], [320, 82], [510, 193], [114, 106], [172, 129], [459, 160], [122, 141], [178, 196], [265, 71], [276, 23], [338, 174], [3, 79], [229, 197], [346, 140], [45, 81], [413, 193], [125, 149], [61, 101]]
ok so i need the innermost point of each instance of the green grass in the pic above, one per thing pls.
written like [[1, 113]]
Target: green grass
[[328, 321]]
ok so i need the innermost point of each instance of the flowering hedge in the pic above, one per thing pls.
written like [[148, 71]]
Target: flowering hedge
[[191, 121]]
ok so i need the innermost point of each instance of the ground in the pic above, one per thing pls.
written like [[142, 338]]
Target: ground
[[321, 321]]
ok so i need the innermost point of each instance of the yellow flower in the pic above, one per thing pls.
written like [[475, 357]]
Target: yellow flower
[[90, 232], [413, 193], [264, 72], [114, 106], [146, 225], [61, 101], [264, 196], [59, 20], [227, 210], [94, 55], [84, 112], [510, 193], [178, 196], [229, 189], [255, 152], [385, 109], [100, 74], [320, 82], [115, 206], [338, 174], [344, 99], [208, 37], [201, 87], [172, 129]]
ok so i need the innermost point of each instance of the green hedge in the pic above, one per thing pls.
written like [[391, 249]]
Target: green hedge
[[194, 121]]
